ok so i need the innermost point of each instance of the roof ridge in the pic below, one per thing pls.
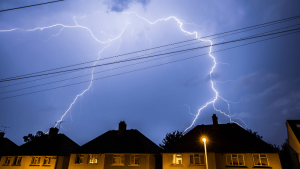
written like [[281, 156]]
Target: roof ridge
[[138, 133]]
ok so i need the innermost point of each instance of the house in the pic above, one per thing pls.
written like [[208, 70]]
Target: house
[[48, 152], [5, 144], [293, 130], [227, 145], [117, 149]]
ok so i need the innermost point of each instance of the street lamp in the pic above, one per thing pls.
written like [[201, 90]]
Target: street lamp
[[204, 141]]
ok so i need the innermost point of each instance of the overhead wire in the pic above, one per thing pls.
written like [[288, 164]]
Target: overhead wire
[[151, 66], [139, 56], [127, 65], [264, 25], [30, 6], [126, 60]]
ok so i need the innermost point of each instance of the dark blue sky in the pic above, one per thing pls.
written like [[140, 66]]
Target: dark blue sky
[[260, 81]]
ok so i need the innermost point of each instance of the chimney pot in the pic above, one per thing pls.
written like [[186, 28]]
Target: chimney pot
[[53, 131], [2, 134], [215, 121], [122, 127]]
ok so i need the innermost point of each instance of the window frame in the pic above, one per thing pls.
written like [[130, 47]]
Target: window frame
[[175, 159], [81, 157], [259, 157], [32, 160], [133, 156], [94, 157], [5, 163], [49, 162], [231, 158], [16, 161], [121, 157], [200, 154]]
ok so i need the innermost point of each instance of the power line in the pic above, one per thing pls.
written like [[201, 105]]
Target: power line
[[253, 27], [148, 67], [126, 60], [30, 6], [125, 66]]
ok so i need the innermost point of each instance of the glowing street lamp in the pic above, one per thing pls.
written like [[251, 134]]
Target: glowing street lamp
[[204, 141]]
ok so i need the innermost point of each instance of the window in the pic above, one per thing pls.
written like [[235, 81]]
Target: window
[[235, 159], [260, 160], [47, 161], [17, 160], [79, 159], [197, 159], [93, 158], [118, 159], [177, 159], [7, 161], [35, 161], [134, 160]]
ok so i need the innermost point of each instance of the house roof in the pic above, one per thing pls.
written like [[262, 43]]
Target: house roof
[[296, 130], [6, 145], [58, 144], [228, 138], [129, 141]]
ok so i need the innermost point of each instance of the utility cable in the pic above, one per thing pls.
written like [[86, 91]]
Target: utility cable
[[132, 57], [121, 66], [126, 60], [149, 66], [264, 24], [30, 6]]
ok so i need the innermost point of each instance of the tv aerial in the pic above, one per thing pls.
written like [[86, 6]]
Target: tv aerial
[[4, 128], [58, 123]]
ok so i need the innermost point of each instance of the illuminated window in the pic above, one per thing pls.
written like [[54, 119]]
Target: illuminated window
[[93, 158], [260, 160], [197, 159], [7, 161], [47, 161], [79, 159], [177, 159], [235, 159], [35, 161], [134, 160], [17, 160], [118, 160]]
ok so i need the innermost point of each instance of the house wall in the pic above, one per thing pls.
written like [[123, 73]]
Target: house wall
[[168, 159], [26, 163], [147, 161], [292, 139], [294, 147], [85, 165], [273, 159], [218, 161]]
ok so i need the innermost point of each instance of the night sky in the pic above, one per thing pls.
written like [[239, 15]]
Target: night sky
[[261, 81]]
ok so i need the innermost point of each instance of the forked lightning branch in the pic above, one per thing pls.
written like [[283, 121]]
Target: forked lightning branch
[[110, 40]]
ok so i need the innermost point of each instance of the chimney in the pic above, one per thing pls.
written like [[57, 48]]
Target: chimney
[[2, 134], [215, 121], [53, 131], [122, 127]]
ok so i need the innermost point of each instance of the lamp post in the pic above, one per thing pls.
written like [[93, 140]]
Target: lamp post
[[204, 141]]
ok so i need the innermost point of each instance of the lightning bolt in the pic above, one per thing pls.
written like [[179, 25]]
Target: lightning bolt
[[88, 88], [108, 42], [181, 22]]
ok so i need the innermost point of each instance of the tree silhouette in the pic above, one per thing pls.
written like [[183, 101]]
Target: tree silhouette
[[170, 138], [31, 137], [254, 133]]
